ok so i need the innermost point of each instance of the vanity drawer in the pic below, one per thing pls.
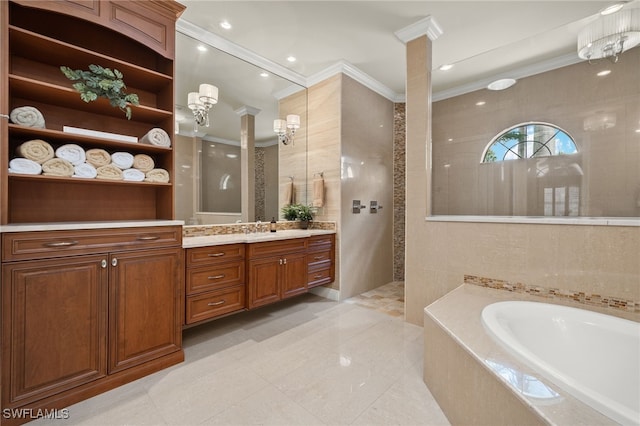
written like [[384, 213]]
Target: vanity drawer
[[220, 276], [319, 259], [319, 277], [50, 244], [214, 254], [319, 242], [215, 303], [275, 248]]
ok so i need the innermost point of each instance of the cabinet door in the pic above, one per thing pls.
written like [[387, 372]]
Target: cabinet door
[[145, 313], [54, 316], [264, 278], [294, 275]]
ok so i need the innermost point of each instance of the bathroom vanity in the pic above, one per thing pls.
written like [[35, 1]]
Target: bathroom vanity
[[227, 274]]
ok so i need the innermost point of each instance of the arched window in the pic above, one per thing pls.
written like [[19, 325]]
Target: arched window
[[529, 140]]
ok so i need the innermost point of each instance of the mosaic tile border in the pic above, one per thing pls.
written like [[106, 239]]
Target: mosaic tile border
[[591, 299], [239, 228]]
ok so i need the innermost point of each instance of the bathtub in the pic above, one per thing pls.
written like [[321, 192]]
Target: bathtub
[[594, 357]]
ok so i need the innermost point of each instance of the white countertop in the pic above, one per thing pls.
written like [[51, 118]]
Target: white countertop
[[60, 226], [216, 240]]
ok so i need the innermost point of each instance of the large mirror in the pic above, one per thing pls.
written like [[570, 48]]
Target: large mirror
[[213, 164]]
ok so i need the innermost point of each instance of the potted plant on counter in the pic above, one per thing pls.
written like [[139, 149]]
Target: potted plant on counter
[[298, 212]]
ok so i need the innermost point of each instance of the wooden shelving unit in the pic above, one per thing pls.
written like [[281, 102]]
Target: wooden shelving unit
[[42, 36]]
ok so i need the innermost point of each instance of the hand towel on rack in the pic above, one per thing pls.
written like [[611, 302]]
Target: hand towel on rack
[[318, 192], [122, 160], [109, 172], [289, 193], [157, 137], [133, 175], [72, 153], [27, 116], [36, 150], [157, 175], [143, 162], [98, 157], [24, 166], [84, 170], [57, 167]]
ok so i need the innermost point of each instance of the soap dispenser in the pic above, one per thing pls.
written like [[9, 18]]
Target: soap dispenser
[[272, 225]]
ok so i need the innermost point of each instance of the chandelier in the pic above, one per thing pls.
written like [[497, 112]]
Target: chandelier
[[610, 35]]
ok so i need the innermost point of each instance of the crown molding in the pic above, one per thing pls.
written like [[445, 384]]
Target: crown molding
[[529, 70], [247, 110], [199, 33], [426, 26], [355, 73]]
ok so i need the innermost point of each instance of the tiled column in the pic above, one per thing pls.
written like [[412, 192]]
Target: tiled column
[[247, 161]]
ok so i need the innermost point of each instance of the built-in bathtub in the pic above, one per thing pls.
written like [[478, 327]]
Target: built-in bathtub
[[477, 380], [593, 356]]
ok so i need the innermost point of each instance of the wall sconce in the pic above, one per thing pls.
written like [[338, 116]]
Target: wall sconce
[[200, 103], [286, 129], [610, 35]]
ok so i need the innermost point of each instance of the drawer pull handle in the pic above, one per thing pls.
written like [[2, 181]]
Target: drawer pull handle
[[317, 276], [148, 238], [215, 254], [216, 303], [216, 277], [318, 258], [61, 244]]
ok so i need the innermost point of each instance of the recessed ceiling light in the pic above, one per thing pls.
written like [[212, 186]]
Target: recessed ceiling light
[[445, 67], [612, 9], [291, 58], [264, 74], [225, 25], [480, 103], [202, 48], [603, 73], [503, 83]]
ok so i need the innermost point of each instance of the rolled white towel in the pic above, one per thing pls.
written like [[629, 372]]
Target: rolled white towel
[[24, 166], [72, 153], [133, 175], [157, 137], [27, 116], [122, 160], [84, 170]]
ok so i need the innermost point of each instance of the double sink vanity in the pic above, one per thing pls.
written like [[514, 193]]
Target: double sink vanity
[[87, 307]]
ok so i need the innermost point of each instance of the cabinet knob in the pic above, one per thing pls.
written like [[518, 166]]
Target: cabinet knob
[[285, 261], [114, 262], [216, 277], [216, 303], [318, 258], [103, 263]]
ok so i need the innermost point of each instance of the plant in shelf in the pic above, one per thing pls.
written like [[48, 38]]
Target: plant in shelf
[[100, 82], [298, 212]]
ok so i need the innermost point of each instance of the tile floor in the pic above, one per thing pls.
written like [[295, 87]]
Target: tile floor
[[305, 361]]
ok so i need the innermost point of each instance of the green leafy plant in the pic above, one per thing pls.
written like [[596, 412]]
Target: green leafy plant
[[297, 211], [100, 82]]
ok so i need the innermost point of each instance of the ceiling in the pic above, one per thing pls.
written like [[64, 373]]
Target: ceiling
[[482, 39]]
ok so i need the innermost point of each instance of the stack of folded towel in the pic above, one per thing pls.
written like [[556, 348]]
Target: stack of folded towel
[[70, 160]]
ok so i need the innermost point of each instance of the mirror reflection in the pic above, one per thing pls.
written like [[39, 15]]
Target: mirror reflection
[[230, 171]]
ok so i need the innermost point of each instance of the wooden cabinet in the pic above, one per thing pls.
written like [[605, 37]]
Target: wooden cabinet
[[276, 270], [321, 260], [74, 325], [37, 37], [215, 283]]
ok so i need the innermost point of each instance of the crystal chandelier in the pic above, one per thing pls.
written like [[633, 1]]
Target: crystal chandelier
[[610, 35]]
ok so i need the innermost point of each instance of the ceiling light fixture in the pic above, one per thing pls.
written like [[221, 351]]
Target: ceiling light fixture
[[610, 35], [225, 25], [445, 67], [202, 48], [286, 129], [612, 9], [200, 103], [291, 58], [603, 73], [502, 84], [480, 103], [264, 74]]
